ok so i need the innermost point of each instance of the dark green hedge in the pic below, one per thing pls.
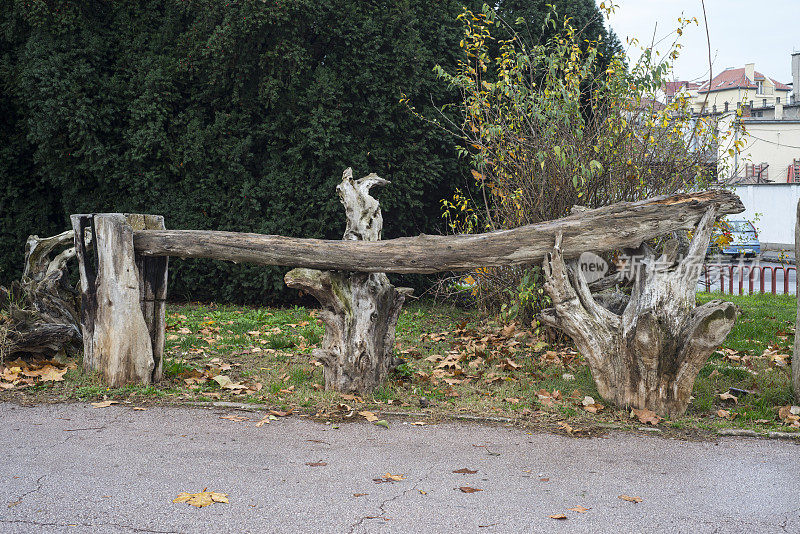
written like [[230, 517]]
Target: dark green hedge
[[231, 116], [236, 115]]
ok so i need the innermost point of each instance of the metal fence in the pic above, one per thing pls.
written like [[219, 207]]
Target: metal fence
[[747, 279]]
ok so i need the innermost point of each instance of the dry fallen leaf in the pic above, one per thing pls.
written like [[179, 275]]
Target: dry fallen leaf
[[580, 509], [104, 404], [222, 380], [790, 415], [728, 397], [360, 494], [264, 420], [204, 498], [725, 414], [316, 464], [467, 489], [52, 374], [560, 517], [465, 471], [630, 499], [646, 416], [234, 418], [566, 426], [590, 405], [388, 477], [369, 416]]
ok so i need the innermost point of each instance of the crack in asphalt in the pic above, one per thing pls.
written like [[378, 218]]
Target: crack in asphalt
[[89, 525], [34, 490], [385, 502]]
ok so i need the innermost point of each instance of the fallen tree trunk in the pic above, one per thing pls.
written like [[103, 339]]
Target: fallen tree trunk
[[360, 310], [625, 224], [647, 354]]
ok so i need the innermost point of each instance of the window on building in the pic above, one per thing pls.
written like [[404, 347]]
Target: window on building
[[670, 99], [726, 106], [764, 103], [714, 108], [760, 89], [777, 100]]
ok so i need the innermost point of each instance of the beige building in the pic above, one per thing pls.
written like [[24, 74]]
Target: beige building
[[770, 115], [745, 86], [771, 151], [730, 88]]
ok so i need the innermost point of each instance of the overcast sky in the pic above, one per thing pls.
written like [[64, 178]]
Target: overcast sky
[[764, 33]]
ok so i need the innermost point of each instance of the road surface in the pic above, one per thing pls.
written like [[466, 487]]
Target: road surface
[[72, 468]]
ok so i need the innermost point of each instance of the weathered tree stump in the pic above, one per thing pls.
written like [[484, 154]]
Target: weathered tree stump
[[360, 310], [42, 306], [649, 353], [122, 311]]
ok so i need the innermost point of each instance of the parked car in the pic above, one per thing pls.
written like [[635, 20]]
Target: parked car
[[735, 238]]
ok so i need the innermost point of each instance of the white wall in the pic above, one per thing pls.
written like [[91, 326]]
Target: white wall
[[773, 211], [773, 142]]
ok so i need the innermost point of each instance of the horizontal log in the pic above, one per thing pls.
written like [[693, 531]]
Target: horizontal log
[[624, 224]]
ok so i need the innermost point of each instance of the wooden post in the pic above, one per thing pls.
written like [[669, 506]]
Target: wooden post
[[796, 355], [117, 296], [153, 272]]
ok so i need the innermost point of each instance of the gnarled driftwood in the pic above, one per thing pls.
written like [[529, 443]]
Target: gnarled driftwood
[[648, 353], [359, 309], [41, 309]]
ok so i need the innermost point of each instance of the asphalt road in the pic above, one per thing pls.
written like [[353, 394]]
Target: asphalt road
[[73, 468]]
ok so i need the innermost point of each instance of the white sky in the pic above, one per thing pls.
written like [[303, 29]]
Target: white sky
[[764, 33]]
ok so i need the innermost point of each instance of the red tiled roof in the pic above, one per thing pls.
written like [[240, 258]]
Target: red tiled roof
[[780, 86], [670, 88], [736, 79]]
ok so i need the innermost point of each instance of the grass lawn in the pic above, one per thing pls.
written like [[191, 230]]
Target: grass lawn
[[456, 362]]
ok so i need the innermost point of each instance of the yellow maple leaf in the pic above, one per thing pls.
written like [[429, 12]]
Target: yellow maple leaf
[[204, 498], [52, 374]]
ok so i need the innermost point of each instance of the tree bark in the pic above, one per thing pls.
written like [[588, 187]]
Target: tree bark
[[153, 274], [42, 307], [649, 354], [624, 224], [118, 342], [359, 310]]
